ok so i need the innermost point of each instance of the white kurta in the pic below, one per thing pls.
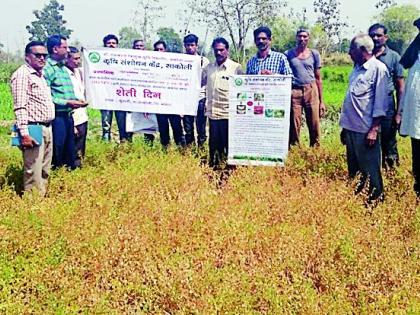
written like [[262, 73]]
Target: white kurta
[[410, 121]]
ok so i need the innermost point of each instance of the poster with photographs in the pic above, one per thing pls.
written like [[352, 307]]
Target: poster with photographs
[[259, 119]]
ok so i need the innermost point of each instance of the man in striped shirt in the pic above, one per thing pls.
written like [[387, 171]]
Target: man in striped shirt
[[33, 106], [65, 101]]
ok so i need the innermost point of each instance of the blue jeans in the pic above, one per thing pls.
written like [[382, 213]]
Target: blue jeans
[[200, 121], [64, 150], [106, 116], [364, 161]]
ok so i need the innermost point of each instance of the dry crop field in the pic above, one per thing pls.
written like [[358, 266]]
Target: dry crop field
[[140, 231]]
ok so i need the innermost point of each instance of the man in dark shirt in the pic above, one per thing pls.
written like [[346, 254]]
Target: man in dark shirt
[[111, 41], [306, 89], [164, 119], [391, 59]]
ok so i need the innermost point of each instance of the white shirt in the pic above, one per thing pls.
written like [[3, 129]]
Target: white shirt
[[410, 121], [80, 115]]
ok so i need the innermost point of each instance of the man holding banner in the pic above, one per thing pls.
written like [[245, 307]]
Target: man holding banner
[[191, 48], [111, 41], [164, 119], [216, 78]]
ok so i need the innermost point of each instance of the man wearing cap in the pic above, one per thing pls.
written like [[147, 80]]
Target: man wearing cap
[[33, 105], [306, 89]]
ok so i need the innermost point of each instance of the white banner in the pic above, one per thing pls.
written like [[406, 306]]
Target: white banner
[[142, 81], [259, 119]]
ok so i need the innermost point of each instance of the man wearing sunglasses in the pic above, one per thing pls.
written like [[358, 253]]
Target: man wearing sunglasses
[[33, 105]]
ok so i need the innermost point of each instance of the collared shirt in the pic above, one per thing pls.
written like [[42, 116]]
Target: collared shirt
[[366, 96], [80, 115], [216, 78], [276, 62], [204, 64], [391, 59], [59, 81], [31, 98]]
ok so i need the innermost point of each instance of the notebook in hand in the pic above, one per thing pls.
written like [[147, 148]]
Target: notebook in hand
[[35, 131]]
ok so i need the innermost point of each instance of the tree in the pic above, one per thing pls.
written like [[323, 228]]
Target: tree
[[399, 21], [48, 22], [329, 17], [145, 16], [284, 29], [385, 4], [127, 35], [235, 17], [171, 38]]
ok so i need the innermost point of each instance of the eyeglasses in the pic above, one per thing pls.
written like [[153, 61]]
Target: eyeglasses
[[39, 55]]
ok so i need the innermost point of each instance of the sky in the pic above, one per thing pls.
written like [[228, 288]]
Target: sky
[[92, 19]]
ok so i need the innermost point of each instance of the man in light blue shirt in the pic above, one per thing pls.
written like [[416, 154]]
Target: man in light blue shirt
[[363, 109]]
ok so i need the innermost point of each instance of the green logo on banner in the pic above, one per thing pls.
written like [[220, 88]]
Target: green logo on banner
[[238, 82], [94, 57]]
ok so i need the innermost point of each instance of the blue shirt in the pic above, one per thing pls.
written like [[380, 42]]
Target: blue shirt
[[366, 96], [276, 62]]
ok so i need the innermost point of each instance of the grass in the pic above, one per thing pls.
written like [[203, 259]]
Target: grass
[[142, 231]]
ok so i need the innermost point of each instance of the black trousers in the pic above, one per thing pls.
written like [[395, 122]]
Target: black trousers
[[80, 143], [218, 141], [200, 122], [163, 124]]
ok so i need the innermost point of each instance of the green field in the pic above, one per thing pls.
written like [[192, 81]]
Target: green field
[[138, 230]]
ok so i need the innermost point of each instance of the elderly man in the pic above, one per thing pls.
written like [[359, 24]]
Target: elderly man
[[378, 33], [267, 61], [306, 89], [65, 101], [216, 78], [80, 116], [191, 48], [33, 105], [111, 41], [364, 107]]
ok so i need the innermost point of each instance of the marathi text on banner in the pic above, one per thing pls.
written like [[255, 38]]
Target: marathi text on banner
[[142, 81], [259, 119]]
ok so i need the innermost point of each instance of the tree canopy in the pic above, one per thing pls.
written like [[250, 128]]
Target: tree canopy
[[48, 22]]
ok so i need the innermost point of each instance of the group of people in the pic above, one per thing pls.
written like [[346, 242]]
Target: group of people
[[48, 91], [371, 113]]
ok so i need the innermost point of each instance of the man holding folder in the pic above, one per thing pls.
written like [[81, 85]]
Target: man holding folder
[[34, 109]]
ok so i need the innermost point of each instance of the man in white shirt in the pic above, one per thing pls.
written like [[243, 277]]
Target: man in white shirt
[[80, 115]]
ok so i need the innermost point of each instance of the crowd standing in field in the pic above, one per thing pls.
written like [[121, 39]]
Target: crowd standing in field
[[49, 92]]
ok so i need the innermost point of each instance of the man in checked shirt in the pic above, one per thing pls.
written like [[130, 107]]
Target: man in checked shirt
[[33, 105], [267, 61]]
